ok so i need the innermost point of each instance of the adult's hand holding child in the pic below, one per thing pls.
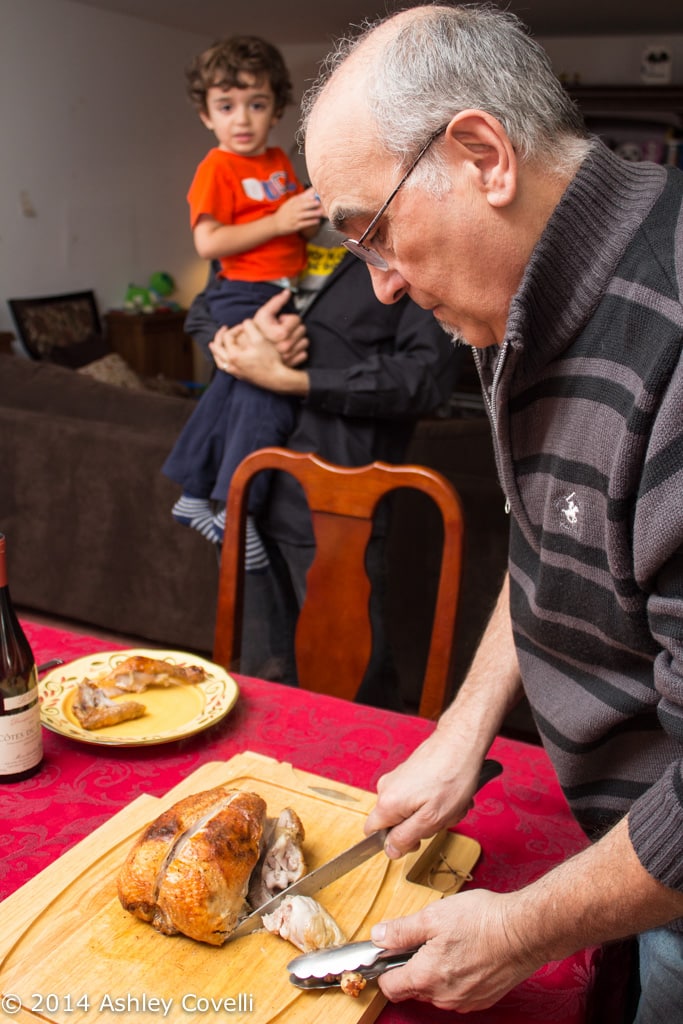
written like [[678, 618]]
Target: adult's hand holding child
[[265, 351]]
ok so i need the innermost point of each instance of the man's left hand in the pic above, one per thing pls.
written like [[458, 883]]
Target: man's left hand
[[467, 959]]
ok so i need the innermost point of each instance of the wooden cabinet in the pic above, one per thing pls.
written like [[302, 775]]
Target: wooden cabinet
[[152, 344]]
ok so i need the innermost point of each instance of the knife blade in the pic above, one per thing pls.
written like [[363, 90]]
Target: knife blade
[[340, 865]]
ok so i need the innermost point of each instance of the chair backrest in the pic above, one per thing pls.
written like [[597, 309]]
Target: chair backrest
[[333, 635]]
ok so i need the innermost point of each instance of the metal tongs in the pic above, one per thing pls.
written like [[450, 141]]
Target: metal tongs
[[324, 967]]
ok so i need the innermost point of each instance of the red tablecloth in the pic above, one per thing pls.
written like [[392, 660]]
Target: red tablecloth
[[520, 819]]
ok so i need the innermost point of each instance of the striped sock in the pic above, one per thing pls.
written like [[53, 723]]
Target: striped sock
[[255, 557], [197, 513], [187, 508]]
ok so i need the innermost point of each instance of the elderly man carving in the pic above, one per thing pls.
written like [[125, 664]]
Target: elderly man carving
[[442, 142]]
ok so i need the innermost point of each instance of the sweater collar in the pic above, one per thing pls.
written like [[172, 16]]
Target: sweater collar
[[578, 252]]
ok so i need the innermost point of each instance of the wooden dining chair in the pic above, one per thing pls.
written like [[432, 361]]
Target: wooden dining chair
[[333, 637]]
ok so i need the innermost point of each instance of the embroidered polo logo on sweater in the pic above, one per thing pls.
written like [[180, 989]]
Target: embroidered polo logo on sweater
[[569, 511]]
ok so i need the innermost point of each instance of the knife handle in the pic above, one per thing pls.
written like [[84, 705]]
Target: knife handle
[[490, 769]]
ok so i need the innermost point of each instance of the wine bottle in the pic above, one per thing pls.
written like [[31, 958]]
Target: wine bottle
[[21, 740]]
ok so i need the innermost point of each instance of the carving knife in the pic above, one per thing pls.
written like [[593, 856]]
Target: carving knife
[[340, 865]]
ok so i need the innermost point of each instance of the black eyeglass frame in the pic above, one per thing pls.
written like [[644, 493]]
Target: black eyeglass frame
[[355, 246]]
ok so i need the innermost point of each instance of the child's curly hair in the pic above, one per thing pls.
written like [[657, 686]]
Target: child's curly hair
[[225, 63]]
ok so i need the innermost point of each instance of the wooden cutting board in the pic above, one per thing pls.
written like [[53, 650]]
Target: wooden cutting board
[[70, 954]]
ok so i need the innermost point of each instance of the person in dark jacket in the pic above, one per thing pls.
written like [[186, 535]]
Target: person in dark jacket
[[371, 372]]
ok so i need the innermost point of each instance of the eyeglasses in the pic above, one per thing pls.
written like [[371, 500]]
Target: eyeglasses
[[363, 252]]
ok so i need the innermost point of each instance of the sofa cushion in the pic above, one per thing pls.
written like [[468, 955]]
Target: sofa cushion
[[113, 369]]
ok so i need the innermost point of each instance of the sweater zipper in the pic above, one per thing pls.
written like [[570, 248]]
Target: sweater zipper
[[490, 399]]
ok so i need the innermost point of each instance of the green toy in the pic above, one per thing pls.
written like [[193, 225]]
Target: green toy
[[138, 300], [153, 299], [162, 284]]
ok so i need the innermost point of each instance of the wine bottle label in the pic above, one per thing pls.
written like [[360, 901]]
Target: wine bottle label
[[20, 701], [21, 741]]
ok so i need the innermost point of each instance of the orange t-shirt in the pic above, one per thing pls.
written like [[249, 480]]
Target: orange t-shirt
[[237, 189]]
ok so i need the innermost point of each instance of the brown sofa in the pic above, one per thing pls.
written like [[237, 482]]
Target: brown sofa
[[86, 511]]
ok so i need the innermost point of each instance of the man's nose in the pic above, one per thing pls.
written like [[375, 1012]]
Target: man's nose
[[389, 286]]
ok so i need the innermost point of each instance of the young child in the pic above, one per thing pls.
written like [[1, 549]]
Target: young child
[[249, 212]]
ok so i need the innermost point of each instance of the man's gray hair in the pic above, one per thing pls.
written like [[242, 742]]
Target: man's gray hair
[[449, 59]]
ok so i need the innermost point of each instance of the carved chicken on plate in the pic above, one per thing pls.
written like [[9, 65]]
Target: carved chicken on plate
[[95, 710], [138, 672]]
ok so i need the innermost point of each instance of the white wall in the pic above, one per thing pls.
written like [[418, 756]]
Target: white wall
[[99, 144], [98, 147]]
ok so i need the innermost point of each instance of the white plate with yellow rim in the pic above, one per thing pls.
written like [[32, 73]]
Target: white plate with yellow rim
[[172, 712]]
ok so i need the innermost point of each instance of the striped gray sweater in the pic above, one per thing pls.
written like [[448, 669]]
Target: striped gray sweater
[[586, 399]]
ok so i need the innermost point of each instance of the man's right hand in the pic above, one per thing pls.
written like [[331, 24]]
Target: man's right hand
[[435, 786], [430, 791]]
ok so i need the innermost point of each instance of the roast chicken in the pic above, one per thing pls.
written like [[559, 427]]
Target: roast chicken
[[93, 705], [282, 859], [305, 923], [190, 870], [95, 710], [135, 674]]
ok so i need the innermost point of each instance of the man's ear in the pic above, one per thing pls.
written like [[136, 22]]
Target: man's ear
[[484, 148]]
